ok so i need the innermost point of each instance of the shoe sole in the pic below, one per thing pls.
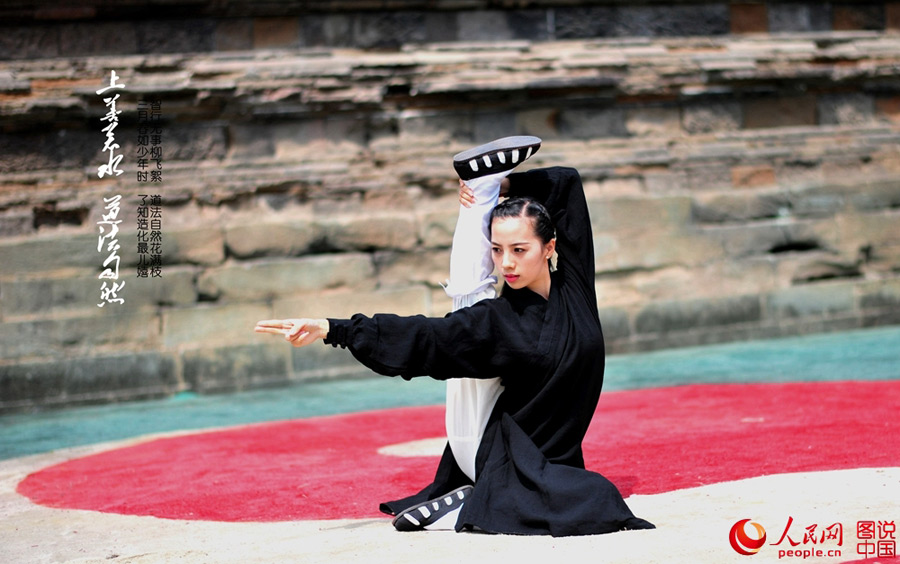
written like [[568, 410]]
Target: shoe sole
[[418, 517], [500, 155]]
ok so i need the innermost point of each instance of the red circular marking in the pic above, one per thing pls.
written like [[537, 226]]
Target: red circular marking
[[645, 441]]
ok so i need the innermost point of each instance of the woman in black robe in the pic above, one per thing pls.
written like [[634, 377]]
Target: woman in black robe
[[543, 337]]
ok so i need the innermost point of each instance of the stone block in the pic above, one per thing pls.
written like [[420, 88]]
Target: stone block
[[186, 35], [636, 214], [653, 248], [324, 362], [272, 33], [437, 227], [271, 278], [584, 22], [673, 20], [888, 108], [94, 379], [201, 245], [799, 16], [675, 316], [371, 231], [868, 233], [50, 149], [411, 300], [846, 109], [616, 324], [235, 368], [592, 124], [712, 116], [80, 335], [748, 17], [216, 325], [653, 122], [753, 176], [811, 300], [388, 29], [93, 38], [29, 42], [429, 267], [892, 16], [234, 34], [483, 25], [326, 30], [790, 111], [858, 16], [53, 294], [773, 237], [250, 141], [50, 252], [881, 295], [738, 208], [272, 239]]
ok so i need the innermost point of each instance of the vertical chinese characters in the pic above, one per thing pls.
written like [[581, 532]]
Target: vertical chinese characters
[[112, 116], [109, 229]]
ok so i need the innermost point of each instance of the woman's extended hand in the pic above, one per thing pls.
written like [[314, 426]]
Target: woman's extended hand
[[298, 332], [467, 195]]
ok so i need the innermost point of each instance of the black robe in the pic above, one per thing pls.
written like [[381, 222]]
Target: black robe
[[530, 475]]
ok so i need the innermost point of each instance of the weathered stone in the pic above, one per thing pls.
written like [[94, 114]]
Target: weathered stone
[[215, 325], [437, 227], [234, 368], [675, 20], [430, 267], [270, 278], [731, 208], [753, 176], [271, 33], [892, 15], [810, 300], [780, 112], [748, 18], [799, 16], [55, 294], [592, 124], [666, 317], [483, 25], [94, 38], [186, 35], [768, 237], [882, 294], [846, 109], [202, 245], [234, 35], [583, 22], [271, 239], [653, 122], [79, 335], [411, 300], [638, 213], [50, 252], [93, 379], [319, 363], [616, 324], [712, 116], [816, 270], [371, 231], [858, 16]]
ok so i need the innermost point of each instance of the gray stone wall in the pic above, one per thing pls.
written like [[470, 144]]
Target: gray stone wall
[[51, 28], [740, 187]]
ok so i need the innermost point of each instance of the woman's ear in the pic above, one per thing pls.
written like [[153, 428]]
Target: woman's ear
[[550, 248]]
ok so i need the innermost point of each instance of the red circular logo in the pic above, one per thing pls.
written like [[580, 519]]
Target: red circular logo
[[743, 543]]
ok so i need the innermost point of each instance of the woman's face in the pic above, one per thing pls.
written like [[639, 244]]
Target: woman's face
[[520, 256]]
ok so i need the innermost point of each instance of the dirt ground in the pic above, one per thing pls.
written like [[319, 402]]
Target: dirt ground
[[693, 526]]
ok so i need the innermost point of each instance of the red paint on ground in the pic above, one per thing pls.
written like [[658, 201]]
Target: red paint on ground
[[645, 441]]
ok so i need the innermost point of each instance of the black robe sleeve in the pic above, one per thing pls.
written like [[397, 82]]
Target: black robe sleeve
[[560, 190], [474, 342]]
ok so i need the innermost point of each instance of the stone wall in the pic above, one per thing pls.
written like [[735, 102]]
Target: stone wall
[[740, 187], [51, 28]]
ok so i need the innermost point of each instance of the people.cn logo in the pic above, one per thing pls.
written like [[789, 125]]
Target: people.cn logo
[[742, 542]]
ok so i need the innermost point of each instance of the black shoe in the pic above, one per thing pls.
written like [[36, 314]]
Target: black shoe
[[501, 155], [417, 517]]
